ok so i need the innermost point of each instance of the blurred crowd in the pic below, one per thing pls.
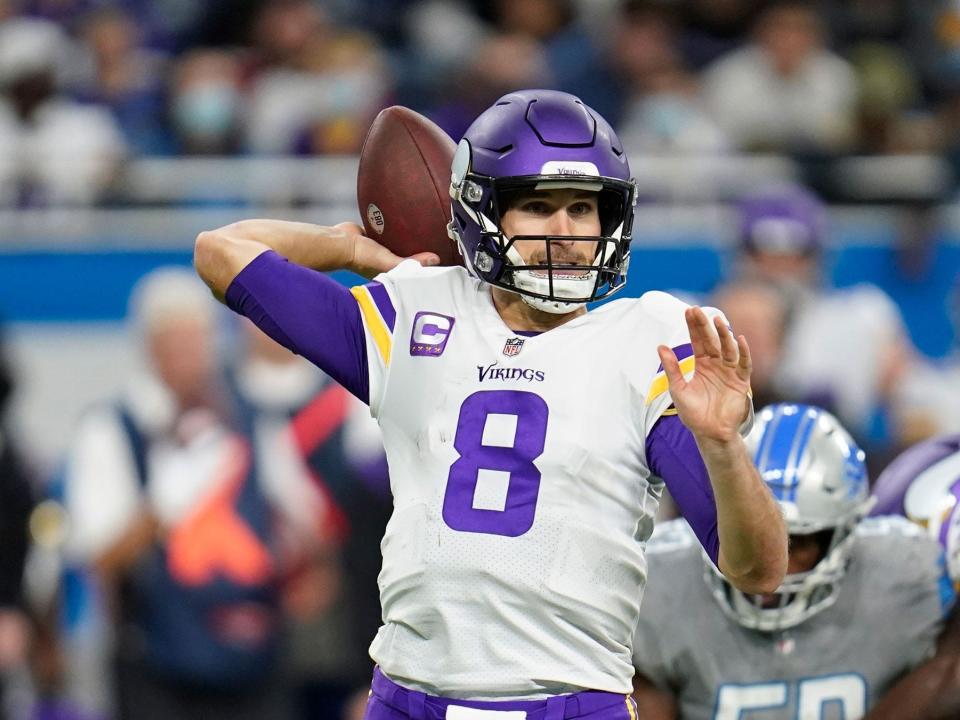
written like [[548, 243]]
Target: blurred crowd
[[187, 558], [88, 83], [210, 544]]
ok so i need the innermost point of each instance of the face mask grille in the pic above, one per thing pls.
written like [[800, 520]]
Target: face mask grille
[[550, 274]]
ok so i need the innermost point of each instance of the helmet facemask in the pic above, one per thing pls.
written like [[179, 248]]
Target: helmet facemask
[[534, 141], [549, 281], [801, 595]]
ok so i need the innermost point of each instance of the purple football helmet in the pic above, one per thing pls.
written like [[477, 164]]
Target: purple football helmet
[[535, 140], [789, 220], [923, 484]]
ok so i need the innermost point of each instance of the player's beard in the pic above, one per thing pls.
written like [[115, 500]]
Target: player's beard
[[574, 257]]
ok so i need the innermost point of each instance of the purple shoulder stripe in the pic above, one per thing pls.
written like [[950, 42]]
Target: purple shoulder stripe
[[681, 351], [381, 299]]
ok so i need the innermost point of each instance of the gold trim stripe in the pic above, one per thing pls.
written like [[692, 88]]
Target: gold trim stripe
[[375, 324], [660, 383]]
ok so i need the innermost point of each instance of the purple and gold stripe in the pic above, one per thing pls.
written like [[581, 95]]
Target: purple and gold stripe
[[381, 299], [660, 384], [379, 316], [681, 351]]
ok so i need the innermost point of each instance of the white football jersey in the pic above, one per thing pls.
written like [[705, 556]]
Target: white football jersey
[[513, 564]]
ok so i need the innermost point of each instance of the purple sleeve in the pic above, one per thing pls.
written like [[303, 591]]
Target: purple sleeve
[[673, 455], [308, 313]]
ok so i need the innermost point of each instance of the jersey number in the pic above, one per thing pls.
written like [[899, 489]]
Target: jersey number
[[489, 453], [846, 693]]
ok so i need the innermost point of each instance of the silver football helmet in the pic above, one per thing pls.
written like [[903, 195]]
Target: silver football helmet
[[817, 473]]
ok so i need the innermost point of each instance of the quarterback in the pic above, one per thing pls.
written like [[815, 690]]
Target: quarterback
[[528, 440], [861, 609]]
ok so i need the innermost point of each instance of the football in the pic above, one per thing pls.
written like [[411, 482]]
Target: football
[[403, 184]]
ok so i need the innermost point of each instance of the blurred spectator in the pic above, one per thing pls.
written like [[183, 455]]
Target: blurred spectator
[[206, 103], [119, 73], [470, 54], [443, 39], [65, 13], [8, 8], [712, 28], [848, 349], [357, 88], [355, 454], [333, 601], [15, 504], [784, 91], [385, 18], [501, 64], [948, 117], [573, 58], [275, 388], [168, 501], [931, 392], [52, 150], [889, 120], [538, 19], [914, 29], [319, 87], [170, 26], [662, 110], [758, 310]]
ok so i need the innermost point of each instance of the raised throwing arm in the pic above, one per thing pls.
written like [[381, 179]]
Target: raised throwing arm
[[220, 255]]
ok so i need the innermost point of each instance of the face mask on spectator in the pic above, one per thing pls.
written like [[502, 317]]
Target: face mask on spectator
[[208, 111]]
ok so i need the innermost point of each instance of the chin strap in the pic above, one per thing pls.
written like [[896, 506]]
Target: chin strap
[[525, 280]]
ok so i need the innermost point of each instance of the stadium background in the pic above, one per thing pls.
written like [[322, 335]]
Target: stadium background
[[192, 114], [68, 258]]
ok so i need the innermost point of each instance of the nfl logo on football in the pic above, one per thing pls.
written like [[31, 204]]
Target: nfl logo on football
[[513, 347]]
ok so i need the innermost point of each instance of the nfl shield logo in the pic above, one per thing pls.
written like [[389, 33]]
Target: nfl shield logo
[[786, 645], [513, 346]]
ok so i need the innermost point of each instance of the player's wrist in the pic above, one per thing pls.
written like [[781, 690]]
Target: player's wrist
[[720, 445], [323, 248], [367, 257]]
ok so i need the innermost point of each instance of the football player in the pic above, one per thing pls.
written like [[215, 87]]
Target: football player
[[923, 484], [526, 437], [862, 604]]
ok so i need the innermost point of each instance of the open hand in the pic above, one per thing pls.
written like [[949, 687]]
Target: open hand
[[715, 401], [370, 258]]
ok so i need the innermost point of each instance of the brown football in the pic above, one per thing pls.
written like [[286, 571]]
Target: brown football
[[403, 184]]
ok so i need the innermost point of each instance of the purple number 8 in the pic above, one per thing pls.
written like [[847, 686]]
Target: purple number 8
[[524, 485]]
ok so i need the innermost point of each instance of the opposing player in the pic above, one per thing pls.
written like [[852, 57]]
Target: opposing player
[[862, 604], [526, 437]]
